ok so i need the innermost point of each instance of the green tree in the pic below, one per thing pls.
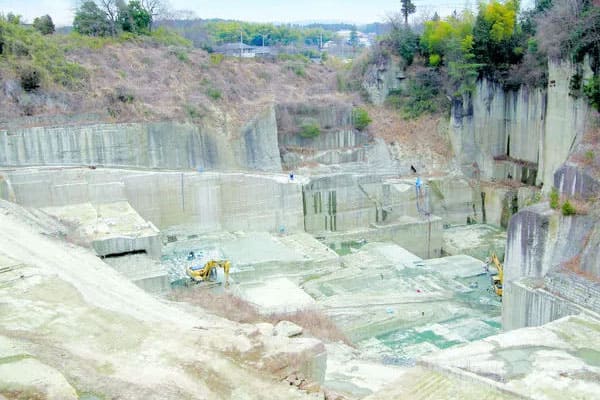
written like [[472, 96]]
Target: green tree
[[407, 8], [402, 39], [13, 18], [497, 42], [91, 20], [155, 9], [134, 18], [44, 25], [450, 39]]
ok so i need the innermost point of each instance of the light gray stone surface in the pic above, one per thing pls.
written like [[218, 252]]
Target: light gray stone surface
[[497, 132], [170, 145], [202, 202], [287, 329]]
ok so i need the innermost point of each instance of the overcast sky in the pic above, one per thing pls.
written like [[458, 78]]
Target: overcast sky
[[353, 11]]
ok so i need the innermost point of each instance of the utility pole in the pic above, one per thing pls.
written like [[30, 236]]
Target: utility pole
[[241, 43]]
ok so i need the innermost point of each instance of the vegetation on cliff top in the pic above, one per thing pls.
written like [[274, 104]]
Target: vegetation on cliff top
[[500, 44], [35, 59]]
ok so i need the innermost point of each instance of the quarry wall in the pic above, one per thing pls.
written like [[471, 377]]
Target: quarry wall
[[523, 134], [551, 268], [168, 145], [199, 202]]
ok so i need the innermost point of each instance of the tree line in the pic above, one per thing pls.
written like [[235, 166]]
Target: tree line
[[500, 42], [112, 17]]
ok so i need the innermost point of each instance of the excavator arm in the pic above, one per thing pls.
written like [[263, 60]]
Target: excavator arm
[[498, 279], [203, 274]]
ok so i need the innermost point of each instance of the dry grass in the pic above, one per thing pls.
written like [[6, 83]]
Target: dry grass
[[424, 135], [21, 395], [587, 153], [582, 207], [226, 305], [573, 265], [167, 83], [315, 323]]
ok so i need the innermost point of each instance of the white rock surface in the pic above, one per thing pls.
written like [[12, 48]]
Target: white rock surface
[[287, 329]]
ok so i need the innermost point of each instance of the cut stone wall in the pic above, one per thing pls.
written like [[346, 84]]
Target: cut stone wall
[[383, 77], [420, 236], [495, 133], [543, 260], [169, 145], [574, 181], [495, 124], [524, 305], [334, 121], [200, 201], [565, 119]]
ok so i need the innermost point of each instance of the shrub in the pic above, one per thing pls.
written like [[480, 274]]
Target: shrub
[[31, 77], [568, 209], [181, 55], [394, 99], [405, 42], [310, 130], [192, 112], [342, 84], [591, 89], [124, 96], [214, 94], [360, 118], [435, 60], [216, 58], [424, 94], [297, 68], [554, 199]]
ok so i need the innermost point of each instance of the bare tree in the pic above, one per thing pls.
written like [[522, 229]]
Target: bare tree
[[110, 7], [156, 8], [555, 27]]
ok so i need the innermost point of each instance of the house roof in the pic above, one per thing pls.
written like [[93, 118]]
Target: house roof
[[234, 46]]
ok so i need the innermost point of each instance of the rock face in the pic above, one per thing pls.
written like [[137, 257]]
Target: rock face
[[524, 134], [287, 329], [565, 118], [169, 145], [381, 78], [549, 260], [204, 201], [337, 142], [574, 181]]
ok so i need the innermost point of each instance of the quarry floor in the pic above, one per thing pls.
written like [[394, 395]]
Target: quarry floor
[[71, 326]]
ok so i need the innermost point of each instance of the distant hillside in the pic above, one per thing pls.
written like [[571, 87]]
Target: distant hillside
[[130, 78]]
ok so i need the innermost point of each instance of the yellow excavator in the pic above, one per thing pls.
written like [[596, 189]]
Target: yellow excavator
[[209, 271], [497, 279]]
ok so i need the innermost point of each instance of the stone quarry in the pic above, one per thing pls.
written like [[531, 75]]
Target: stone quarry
[[98, 224]]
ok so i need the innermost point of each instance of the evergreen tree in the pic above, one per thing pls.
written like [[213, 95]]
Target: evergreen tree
[[408, 8]]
